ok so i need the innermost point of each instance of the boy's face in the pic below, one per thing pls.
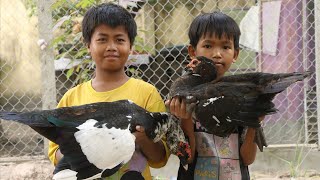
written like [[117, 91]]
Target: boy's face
[[221, 51], [110, 47]]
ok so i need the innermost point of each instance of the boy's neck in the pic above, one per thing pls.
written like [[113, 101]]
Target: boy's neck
[[106, 81]]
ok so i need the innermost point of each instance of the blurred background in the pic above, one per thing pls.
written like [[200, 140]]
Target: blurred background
[[42, 56]]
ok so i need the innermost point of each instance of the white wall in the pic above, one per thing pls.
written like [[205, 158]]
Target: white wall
[[18, 48]]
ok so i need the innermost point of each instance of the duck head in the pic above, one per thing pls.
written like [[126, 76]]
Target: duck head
[[203, 67]]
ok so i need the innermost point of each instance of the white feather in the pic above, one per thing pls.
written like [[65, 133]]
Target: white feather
[[189, 97], [104, 147], [97, 176], [65, 174], [228, 119], [68, 174], [215, 118], [212, 100], [161, 129], [89, 124]]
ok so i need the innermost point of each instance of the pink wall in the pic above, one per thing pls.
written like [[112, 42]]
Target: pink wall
[[289, 58]]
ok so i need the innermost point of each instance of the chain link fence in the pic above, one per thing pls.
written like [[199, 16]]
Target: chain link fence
[[42, 56], [19, 77]]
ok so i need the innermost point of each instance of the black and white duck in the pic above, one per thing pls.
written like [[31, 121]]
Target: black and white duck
[[96, 139]]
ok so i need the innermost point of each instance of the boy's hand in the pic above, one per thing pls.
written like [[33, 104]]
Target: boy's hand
[[154, 152], [177, 107], [140, 135], [248, 149]]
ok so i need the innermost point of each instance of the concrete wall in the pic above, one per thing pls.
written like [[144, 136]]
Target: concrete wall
[[19, 76], [267, 162], [272, 159], [170, 20], [19, 52]]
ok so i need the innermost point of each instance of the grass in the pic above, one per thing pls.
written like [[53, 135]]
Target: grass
[[294, 165]]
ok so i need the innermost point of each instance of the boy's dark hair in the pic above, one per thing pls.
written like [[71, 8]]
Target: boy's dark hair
[[109, 14], [216, 23]]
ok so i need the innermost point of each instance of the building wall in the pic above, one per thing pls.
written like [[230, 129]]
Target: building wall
[[19, 52], [19, 76]]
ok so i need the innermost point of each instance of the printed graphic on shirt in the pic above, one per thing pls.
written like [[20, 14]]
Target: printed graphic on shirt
[[227, 147], [229, 169], [206, 168], [205, 145], [218, 157], [199, 128]]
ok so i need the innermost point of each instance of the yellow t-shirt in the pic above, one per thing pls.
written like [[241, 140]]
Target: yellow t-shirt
[[138, 91]]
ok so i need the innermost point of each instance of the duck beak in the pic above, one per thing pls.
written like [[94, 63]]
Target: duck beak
[[187, 70]]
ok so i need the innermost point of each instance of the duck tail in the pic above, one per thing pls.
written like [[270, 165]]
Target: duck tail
[[284, 81], [260, 139], [42, 123], [35, 118], [275, 86]]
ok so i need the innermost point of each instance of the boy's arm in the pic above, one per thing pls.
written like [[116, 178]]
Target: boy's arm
[[158, 153], [248, 149], [178, 108], [54, 153], [154, 152]]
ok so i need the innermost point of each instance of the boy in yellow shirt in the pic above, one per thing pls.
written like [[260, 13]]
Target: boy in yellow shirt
[[109, 32]]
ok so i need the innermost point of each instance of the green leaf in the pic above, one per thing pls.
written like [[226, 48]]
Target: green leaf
[[138, 39], [86, 61], [57, 40], [147, 48], [152, 2], [85, 3], [70, 72], [85, 75], [138, 48], [58, 4], [77, 37], [62, 55], [78, 68], [81, 53], [92, 64], [144, 31]]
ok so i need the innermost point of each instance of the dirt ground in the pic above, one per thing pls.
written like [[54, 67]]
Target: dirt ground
[[42, 170]]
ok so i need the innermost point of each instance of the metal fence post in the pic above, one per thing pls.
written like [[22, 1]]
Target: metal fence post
[[46, 58], [317, 46]]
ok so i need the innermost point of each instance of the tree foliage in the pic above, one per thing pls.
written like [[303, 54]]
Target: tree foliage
[[68, 43]]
